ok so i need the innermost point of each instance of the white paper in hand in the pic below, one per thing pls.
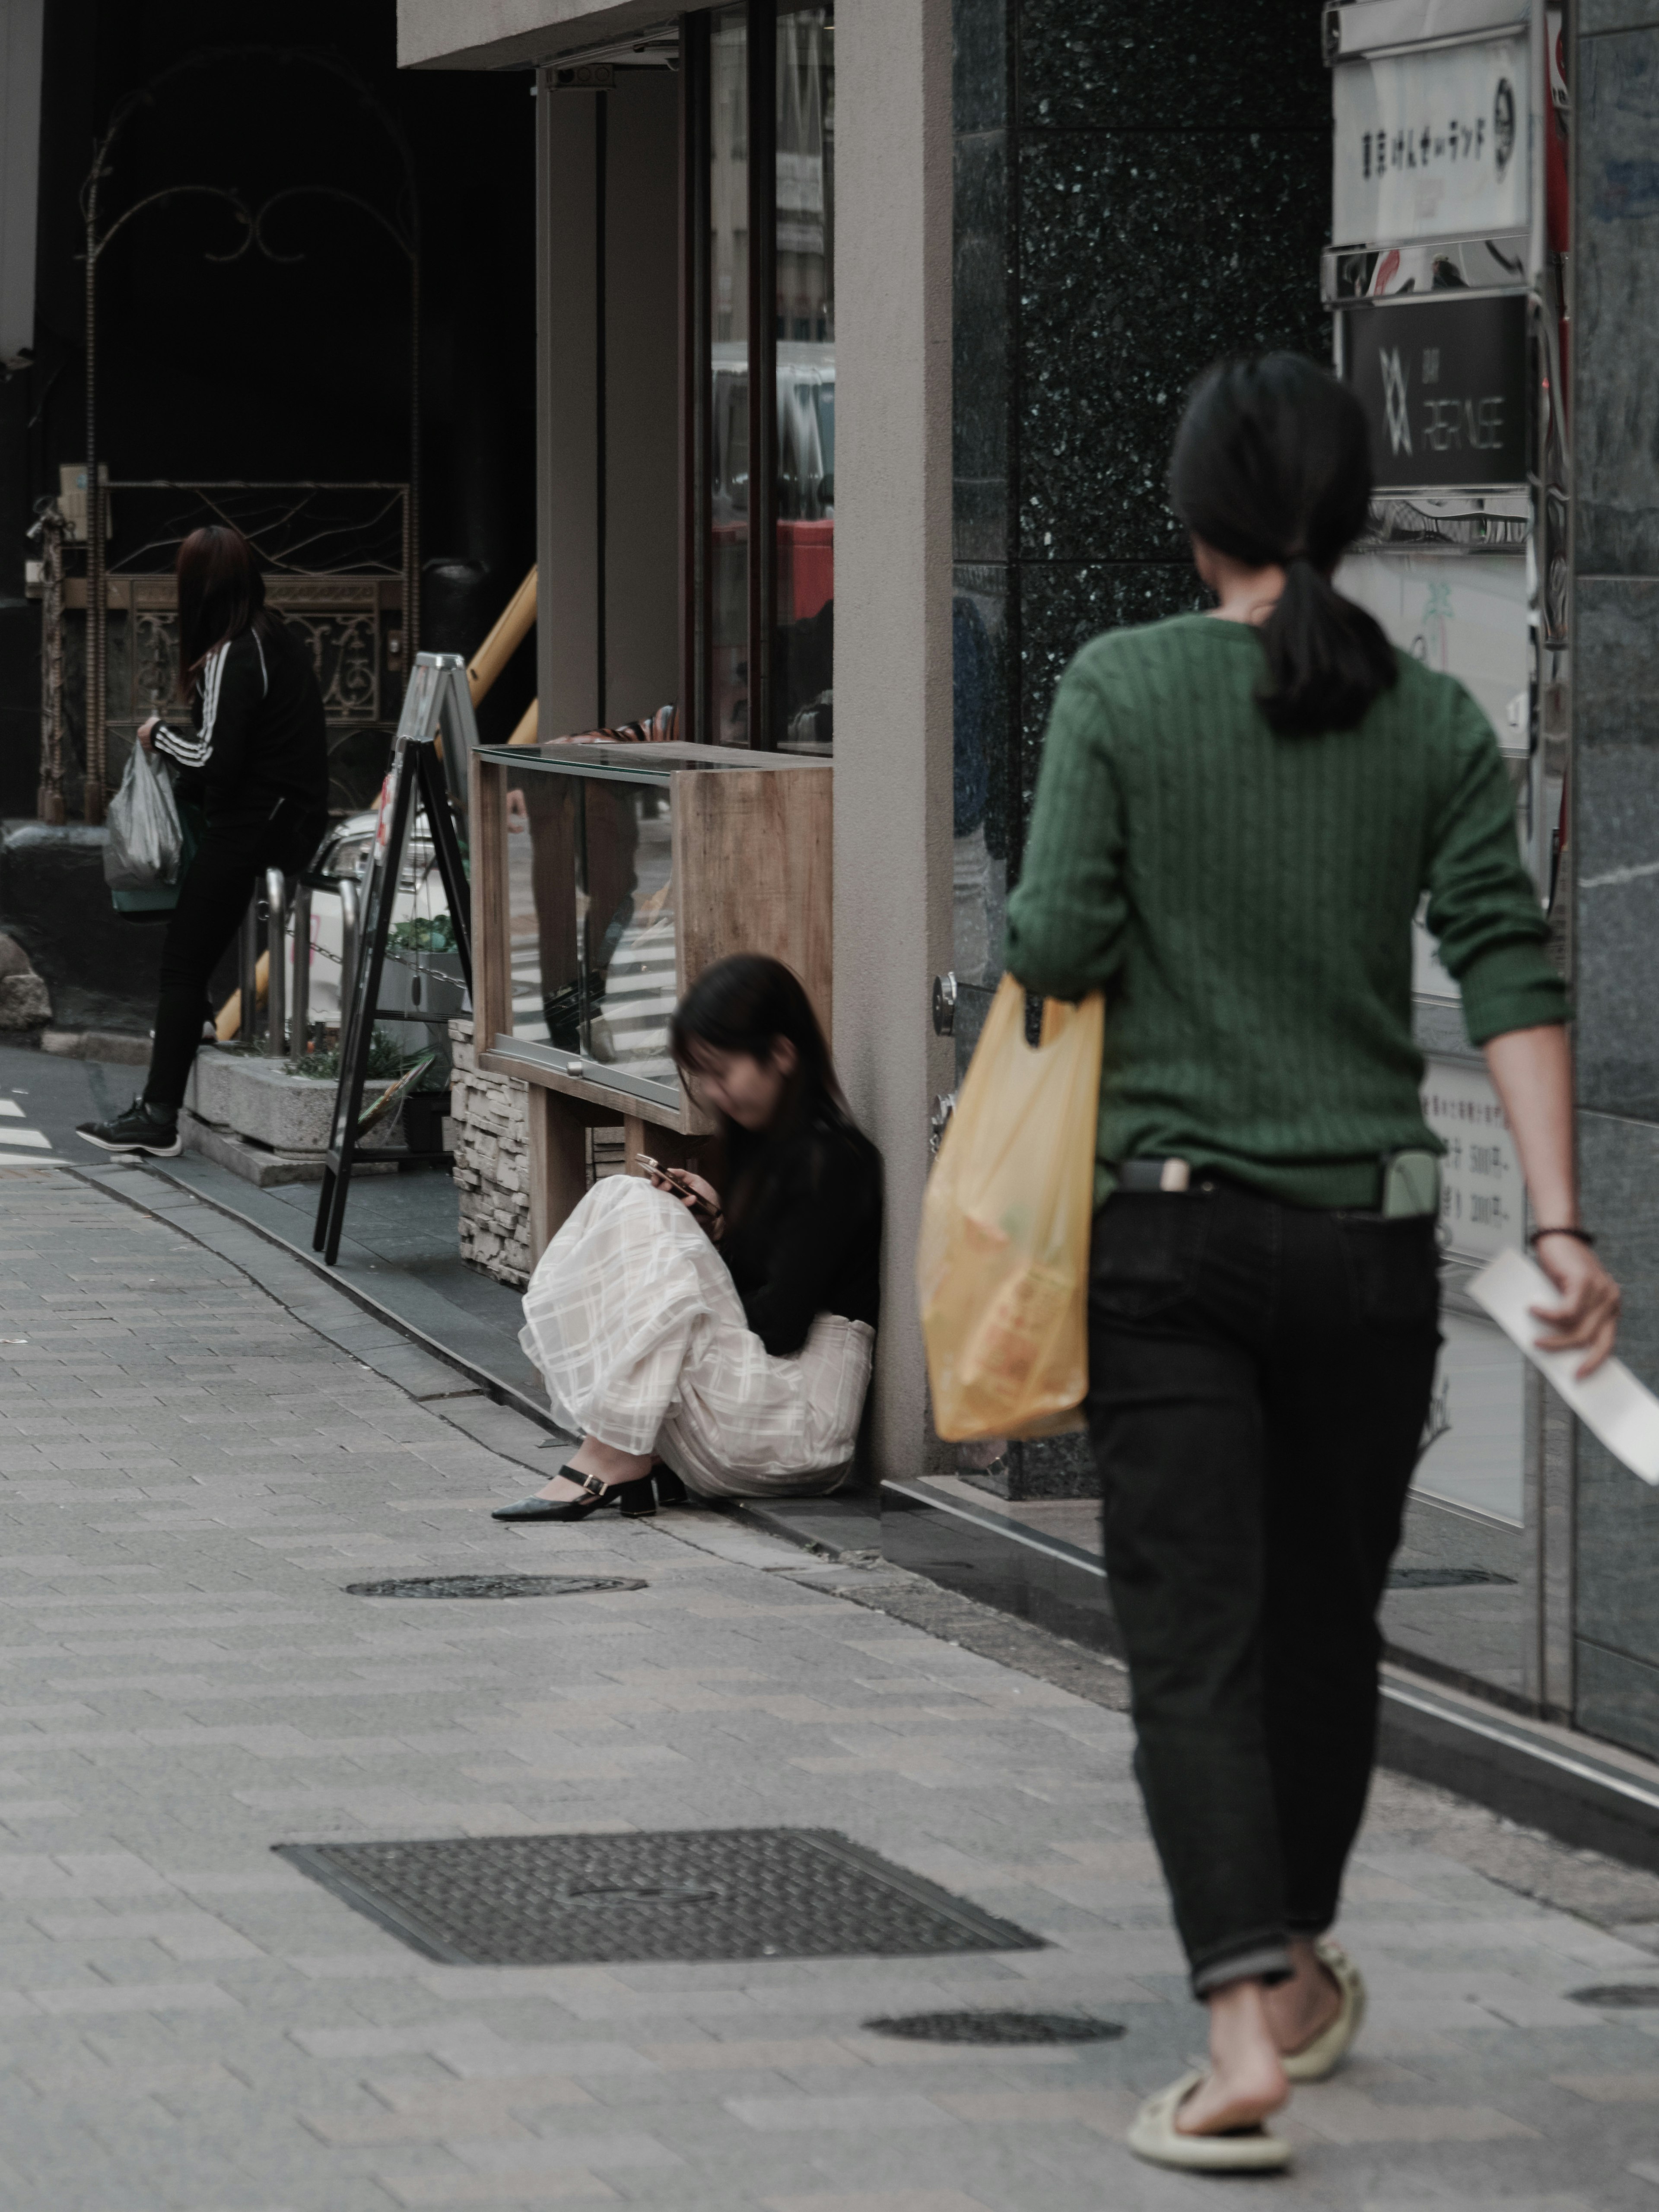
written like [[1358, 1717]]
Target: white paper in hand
[[1611, 1403]]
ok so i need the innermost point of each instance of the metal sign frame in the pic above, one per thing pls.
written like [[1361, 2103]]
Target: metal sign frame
[[1518, 516], [438, 704]]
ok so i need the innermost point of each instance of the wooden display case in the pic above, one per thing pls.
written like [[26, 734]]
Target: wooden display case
[[606, 879]]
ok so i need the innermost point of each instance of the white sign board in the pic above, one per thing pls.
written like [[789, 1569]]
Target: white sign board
[[1474, 1444], [1464, 614], [1430, 978], [1482, 1196], [1432, 145]]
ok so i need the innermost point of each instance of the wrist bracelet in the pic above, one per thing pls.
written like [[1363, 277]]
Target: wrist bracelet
[[1578, 1235]]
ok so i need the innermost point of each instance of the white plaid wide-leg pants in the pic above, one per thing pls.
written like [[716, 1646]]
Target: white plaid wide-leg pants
[[636, 1325]]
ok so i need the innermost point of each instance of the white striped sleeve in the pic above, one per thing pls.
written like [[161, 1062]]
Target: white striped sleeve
[[184, 746]]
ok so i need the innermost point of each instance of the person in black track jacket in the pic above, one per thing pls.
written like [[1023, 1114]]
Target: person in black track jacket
[[255, 761]]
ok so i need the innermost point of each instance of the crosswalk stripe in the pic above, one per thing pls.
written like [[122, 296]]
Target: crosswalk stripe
[[25, 1137]]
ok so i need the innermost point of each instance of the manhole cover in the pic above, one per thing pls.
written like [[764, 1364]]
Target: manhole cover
[[1619, 1996], [496, 1586], [996, 2027], [684, 1894], [1442, 1577]]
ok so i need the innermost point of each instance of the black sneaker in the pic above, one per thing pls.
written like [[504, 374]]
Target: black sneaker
[[142, 1129]]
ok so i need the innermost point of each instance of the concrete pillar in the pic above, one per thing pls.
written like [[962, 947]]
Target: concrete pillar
[[567, 409], [892, 675], [633, 668]]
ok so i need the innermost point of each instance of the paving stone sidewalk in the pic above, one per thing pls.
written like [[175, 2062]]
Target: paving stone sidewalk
[[197, 1455]]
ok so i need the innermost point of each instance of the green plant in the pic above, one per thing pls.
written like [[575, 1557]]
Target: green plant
[[384, 1060], [424, 933]]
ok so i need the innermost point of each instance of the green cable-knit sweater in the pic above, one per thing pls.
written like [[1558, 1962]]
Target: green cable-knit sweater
[[1246, 899]]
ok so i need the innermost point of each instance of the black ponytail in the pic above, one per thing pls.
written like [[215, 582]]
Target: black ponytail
[[1272, 466]]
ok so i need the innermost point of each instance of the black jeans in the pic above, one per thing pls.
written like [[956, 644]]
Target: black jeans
[[1259, 1382], [213, 897]]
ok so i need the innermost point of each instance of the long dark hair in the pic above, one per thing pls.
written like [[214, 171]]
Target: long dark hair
[[745, 1004], [1272, 466], [221, 592]]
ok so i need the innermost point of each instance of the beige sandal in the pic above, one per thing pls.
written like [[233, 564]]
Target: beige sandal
[[1330, 2046], [1155, 2137]]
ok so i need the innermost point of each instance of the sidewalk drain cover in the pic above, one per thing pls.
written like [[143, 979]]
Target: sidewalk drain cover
[[996, 2027], [496, 1586], [1442, 1577], [1618, 1997], [682, 1894]]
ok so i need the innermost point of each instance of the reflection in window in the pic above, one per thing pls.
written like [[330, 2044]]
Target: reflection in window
[[805, 218], [591, 906], [728, 279]]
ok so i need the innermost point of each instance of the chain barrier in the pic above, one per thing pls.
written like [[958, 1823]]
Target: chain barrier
[[393, 959]]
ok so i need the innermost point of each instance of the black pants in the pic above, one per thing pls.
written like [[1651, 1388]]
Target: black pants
[[1259, 1383], [229, 861]]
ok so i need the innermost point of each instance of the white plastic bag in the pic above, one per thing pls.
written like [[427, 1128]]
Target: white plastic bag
[[146, 839]]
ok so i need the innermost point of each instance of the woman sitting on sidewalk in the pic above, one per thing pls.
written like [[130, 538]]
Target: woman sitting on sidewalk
[[731, 1340]]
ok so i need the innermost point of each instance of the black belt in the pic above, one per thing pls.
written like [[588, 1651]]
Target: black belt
[[1167, 1175], [1408, 1183]]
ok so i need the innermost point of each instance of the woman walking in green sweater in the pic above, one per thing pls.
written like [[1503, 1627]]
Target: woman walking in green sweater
[[1237, 816]]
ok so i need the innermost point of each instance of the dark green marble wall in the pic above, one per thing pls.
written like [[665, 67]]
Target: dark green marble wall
[[1141, 186]]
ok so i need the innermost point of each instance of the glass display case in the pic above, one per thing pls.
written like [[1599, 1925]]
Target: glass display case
[[590, 905], [607, 877]]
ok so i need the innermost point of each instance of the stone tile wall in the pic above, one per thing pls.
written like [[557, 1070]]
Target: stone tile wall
[[1615, 815], [488, 1134]]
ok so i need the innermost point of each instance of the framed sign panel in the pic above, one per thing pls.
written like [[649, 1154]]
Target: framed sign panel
[[1444, 383], [1431, 144], [1482, 1195], [1465, 614]]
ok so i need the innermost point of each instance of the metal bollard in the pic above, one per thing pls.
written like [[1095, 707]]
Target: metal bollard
[[275, 964], [250, 973], [301, 1010], [349, 911]]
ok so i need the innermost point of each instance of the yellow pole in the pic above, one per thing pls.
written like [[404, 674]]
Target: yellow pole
[[529, 724], [504, 640], [230, 1021]]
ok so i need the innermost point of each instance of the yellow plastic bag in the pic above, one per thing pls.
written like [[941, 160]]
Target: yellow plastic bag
[[1003, 1265]]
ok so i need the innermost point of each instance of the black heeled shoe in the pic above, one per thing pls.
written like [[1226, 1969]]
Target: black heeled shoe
[[638, 1498], [596, 1494]]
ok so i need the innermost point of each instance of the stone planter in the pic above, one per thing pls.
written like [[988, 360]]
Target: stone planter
[[252, 1115]]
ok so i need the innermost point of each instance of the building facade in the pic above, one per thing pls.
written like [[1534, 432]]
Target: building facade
[[864, 329]]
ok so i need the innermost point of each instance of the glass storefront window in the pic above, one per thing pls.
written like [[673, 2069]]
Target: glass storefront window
[[805, 216], [728, 286], [763, 485], [591, 919]]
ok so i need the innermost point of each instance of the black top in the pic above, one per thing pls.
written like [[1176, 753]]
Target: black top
[[260, 736], [808, 1238]]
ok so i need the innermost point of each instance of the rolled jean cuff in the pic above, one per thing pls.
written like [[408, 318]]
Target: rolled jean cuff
[[1264, 1958]]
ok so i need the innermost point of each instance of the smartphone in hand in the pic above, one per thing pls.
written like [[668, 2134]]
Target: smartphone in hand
[[676, 1181]]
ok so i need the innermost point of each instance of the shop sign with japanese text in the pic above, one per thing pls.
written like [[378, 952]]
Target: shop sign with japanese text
[[1443, 384], [1482, 1196], [1432, 145]]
